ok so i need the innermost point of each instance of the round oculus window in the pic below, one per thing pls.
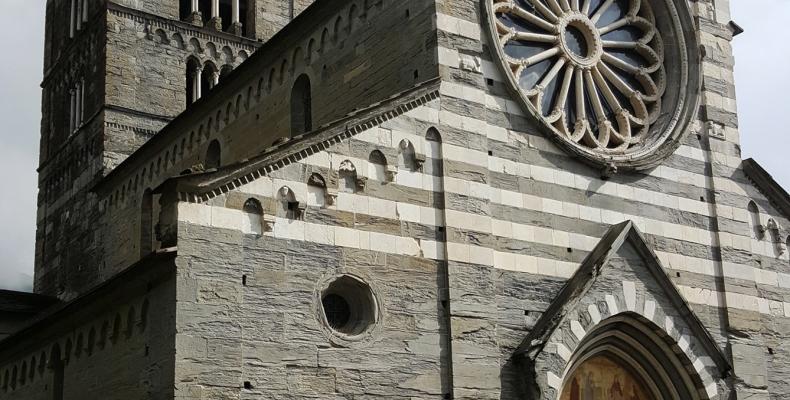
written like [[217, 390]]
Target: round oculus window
[[349, 307], [616, 82]]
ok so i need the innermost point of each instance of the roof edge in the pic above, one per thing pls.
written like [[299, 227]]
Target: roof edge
[[767, 185], [281, 40], [206, 185], [109, 286]]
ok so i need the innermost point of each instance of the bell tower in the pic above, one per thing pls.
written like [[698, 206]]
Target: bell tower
[[115, 73]]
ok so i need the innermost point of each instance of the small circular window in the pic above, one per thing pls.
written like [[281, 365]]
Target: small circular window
[[348, 306]]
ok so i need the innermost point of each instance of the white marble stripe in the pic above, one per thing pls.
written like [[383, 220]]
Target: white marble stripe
[[359, 203], [458, 26], [483, 191], [566, 209], [479, 96], [221, 217], [562, 269], [539, 173]]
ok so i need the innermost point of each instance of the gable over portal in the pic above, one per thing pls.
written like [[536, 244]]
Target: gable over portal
[[621, 306]]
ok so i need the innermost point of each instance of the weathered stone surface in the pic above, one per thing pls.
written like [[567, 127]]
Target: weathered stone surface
[[464, 245]]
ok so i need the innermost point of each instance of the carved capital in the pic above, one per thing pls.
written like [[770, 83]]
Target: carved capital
[[330, 197], [268, 223], [361, 183], [391, 173], [196, 18]]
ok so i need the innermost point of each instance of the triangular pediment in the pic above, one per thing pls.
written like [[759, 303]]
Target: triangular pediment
[[622, 275]]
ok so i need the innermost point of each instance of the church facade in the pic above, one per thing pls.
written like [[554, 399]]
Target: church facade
[[358, 199]]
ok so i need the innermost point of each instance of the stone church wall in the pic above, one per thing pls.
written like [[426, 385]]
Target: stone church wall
[[269, 327], [147, 73], [70, 161], [466, 250], [116, 346], [164, 8], [272, 15], [551, 208], [521, 215], [252, 113]]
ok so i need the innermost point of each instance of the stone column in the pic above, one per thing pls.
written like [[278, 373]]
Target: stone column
[[72, 109], [235, 26], [214, 79], [195, 16], [196, 77], [216, 21], [85, 10], [78, 107], [77, 16], [82, 101], [71, 20]]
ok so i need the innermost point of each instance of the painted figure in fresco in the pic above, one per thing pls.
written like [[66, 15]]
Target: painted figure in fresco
[[600, 378]]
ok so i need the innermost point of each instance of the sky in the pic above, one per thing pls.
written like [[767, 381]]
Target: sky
[[761, 52]]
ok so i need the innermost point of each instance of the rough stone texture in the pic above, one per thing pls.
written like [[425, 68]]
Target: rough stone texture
[[466, 243], [116, 344]]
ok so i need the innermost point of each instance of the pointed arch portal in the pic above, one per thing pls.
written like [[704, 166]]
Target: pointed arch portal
[[620, 329], [628, 358]]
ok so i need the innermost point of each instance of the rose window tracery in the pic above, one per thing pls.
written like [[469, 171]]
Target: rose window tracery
[[594, 71]]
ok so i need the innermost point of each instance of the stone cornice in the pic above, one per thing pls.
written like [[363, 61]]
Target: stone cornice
[[766, 184], [147, 132], [154, 21], [204, 186], [182, 27]]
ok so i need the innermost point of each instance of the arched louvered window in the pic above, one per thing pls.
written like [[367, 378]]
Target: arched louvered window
[[301, 106]]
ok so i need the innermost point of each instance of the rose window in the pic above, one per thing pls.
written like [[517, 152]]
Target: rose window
[[594, 72]]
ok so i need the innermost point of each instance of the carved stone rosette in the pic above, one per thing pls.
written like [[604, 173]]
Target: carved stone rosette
[[599, 76]]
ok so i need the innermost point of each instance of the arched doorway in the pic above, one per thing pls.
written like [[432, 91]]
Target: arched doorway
[[626, 358]]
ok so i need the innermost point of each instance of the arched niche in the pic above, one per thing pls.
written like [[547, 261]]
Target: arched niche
[[317, 194], [754, 217], [213, 155], [377, 163], [301, 106]]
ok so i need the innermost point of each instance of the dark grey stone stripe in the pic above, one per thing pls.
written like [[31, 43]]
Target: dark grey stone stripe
[[597, 200], [745, 257]]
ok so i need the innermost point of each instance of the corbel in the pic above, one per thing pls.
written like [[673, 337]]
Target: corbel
[[419, 160], [391, 173], [330, 196], [361, 182], [268, 223]]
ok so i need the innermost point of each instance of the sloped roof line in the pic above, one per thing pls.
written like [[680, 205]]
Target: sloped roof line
[[582, 280], [769, 187], [203, 186], [151, 266]]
